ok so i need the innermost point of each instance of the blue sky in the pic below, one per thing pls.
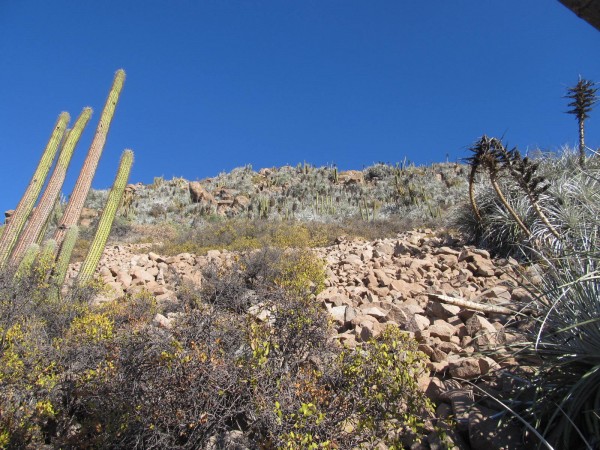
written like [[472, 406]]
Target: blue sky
[[216, 84]]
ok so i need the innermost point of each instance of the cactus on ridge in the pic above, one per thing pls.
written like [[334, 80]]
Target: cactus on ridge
[[17, 222], [106, 220]]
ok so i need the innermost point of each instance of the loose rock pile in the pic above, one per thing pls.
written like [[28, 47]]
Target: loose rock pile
[[391, 281]]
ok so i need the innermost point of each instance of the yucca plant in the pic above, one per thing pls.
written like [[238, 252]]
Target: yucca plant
[[583, 96]]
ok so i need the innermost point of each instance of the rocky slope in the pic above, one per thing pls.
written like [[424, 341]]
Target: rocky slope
[[407, 281]]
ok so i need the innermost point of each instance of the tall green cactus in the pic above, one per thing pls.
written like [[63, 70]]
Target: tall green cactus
[[44, 265], [29, 257], [62, 260], [48, 200], [106, 220], [84, 181], [17, 221], [44, 262]]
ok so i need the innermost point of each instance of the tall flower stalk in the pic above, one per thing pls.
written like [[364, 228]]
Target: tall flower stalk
[[583, 96]]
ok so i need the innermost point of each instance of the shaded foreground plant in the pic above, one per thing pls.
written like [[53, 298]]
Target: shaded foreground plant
[[563, 393]]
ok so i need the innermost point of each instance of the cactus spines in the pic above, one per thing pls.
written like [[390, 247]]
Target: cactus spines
[[29, 257], [44, 263], [105, 224], [23, 210], [48, 200], [62, 260], [84, 181]]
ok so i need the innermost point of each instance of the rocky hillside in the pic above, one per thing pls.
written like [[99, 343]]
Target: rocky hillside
[[461, 305], [303, 192], [407, 281]]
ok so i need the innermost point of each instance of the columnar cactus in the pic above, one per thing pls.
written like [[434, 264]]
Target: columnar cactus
[[17, 221], [44, 263], [108, 215], [28, 258], [46, 267], [84, 181], [44, 208], [62, 260]]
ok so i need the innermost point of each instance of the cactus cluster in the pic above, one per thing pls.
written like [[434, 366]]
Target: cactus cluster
[[19, 243]]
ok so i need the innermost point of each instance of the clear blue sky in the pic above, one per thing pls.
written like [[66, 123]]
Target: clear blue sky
[[216, 84]]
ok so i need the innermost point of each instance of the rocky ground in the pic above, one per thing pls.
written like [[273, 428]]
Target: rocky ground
[[455, 300]]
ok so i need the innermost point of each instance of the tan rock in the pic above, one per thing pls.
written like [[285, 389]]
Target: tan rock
[[416, 323], [441, 310], [139, 274], [200, 195], [373, 311], [241, 201], [465, 368], [162, 322], [338, 313], [461, 401], [351, 177], [124, 278], [442, 330]]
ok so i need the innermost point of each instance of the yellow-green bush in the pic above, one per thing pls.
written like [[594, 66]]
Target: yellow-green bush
[[383, 376], [300, 272], [92, 326]]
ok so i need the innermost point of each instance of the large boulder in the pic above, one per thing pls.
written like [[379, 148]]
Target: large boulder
[[200, 195], [351, 177], [8, 214]]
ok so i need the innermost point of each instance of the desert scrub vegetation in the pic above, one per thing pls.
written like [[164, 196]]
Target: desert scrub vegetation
[[248, 360], [305, 193], [239, 234]]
